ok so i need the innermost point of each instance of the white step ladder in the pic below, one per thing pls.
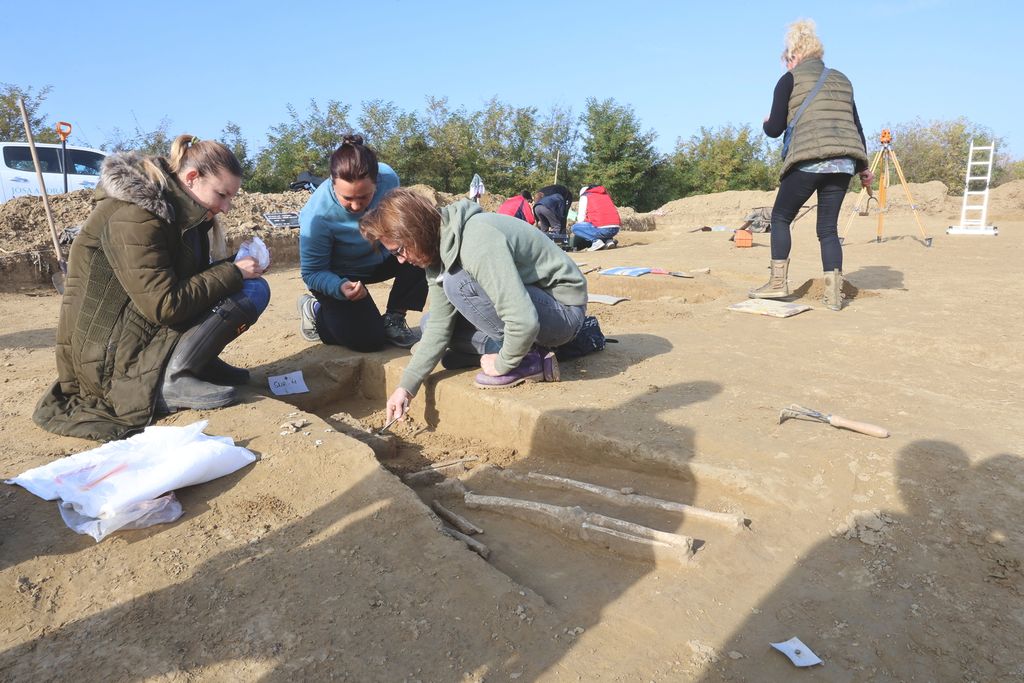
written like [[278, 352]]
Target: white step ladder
[[974, 213]]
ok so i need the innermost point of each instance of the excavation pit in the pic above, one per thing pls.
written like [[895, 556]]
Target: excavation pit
[[459, 440]]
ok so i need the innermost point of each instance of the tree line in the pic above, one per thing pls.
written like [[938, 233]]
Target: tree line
[[522, 148]]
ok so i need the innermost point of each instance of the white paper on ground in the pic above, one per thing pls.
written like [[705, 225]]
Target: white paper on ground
[[797, 652], [291, 383], [108, 480], [605, 299]]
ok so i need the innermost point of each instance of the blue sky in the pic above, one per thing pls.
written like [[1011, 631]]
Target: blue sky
[[680, 65]]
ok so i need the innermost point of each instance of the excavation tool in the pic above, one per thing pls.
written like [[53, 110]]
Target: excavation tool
[[801, 413], [386, 427], [58, 277], [673, 273], [64, 130], [885, 156]]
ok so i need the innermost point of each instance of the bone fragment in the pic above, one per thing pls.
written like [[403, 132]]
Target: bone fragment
[[456, 520], [461, 462], [471, 543], [626, 497], [629, 538]]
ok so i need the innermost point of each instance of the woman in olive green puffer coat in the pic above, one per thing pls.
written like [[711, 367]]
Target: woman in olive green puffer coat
[[145, 310]]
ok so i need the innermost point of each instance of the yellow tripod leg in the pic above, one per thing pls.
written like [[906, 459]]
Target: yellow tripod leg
[[903, 181], [883, 206]]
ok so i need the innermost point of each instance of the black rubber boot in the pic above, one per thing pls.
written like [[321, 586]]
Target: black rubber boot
[[195, 351], [220, 372]]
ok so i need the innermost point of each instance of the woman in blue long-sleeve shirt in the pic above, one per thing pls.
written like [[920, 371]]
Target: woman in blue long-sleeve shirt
[[337, 263]]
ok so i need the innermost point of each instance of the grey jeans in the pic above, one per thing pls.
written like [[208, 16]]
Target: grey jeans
[[479, 329]]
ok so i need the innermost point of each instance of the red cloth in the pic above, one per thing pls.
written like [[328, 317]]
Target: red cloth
[[600, 209], [518, 207]]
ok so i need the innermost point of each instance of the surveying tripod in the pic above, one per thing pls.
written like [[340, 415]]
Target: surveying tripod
[[883, 158]]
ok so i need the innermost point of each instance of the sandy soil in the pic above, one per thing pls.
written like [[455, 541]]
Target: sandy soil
[[893, 560]]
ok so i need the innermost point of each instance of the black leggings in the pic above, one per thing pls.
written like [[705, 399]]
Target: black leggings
[[795, 189], [358, 324]]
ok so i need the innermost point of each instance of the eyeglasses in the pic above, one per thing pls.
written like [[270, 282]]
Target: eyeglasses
[[400, 251]]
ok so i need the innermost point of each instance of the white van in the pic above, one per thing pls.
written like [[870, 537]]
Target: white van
[[18, 173]]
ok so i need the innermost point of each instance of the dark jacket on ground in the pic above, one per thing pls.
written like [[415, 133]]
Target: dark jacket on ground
[[829, 128], [139, 274]]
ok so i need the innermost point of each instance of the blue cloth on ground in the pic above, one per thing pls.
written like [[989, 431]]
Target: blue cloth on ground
[[626, 270]]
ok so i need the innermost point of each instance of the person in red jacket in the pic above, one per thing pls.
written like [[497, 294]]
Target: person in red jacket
[[598, 222], [519, 207]]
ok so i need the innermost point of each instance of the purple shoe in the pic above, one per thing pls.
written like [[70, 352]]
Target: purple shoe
[[533, 368]]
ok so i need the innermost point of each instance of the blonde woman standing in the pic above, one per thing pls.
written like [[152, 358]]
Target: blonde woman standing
[[147, 306], [823, 150]]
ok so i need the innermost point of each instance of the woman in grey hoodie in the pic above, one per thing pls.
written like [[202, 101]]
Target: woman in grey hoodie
[[501, 293]]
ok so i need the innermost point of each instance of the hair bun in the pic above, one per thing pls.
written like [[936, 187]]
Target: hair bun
[[352, 139]]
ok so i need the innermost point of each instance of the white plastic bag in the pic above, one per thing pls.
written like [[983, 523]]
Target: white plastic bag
[[108, 481], [138, 516], [255, 248]]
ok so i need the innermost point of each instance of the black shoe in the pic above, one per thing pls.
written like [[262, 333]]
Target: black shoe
[[398, 331]]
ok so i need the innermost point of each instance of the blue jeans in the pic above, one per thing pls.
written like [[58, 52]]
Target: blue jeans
[[256, 291], [479, 329], [584, 234]]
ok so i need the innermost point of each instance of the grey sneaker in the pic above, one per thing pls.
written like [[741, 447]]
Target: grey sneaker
[[307, 318], [398, 331]]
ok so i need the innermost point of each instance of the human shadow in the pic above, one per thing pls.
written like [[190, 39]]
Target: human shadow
[[877, 277], [287, 606], [919, 593], [31, 339]]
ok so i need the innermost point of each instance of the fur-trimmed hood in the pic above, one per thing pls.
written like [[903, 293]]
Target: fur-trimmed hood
[[148, 183], [124, 177]]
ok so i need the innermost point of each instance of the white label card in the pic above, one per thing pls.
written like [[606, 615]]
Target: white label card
[[292, 383]]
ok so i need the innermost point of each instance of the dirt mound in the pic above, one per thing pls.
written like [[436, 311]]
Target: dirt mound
[[729, 208], [248, 208], [632, 221], [1007, 200], [23, 225]]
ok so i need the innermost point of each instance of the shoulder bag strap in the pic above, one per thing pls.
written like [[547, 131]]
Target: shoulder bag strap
[[810, 96]]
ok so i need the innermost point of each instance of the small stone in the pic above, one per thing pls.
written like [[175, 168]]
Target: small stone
[[733, 654]]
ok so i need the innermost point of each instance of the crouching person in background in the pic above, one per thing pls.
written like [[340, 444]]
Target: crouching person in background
[[501, 293], [147, 306], [598, 222]]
